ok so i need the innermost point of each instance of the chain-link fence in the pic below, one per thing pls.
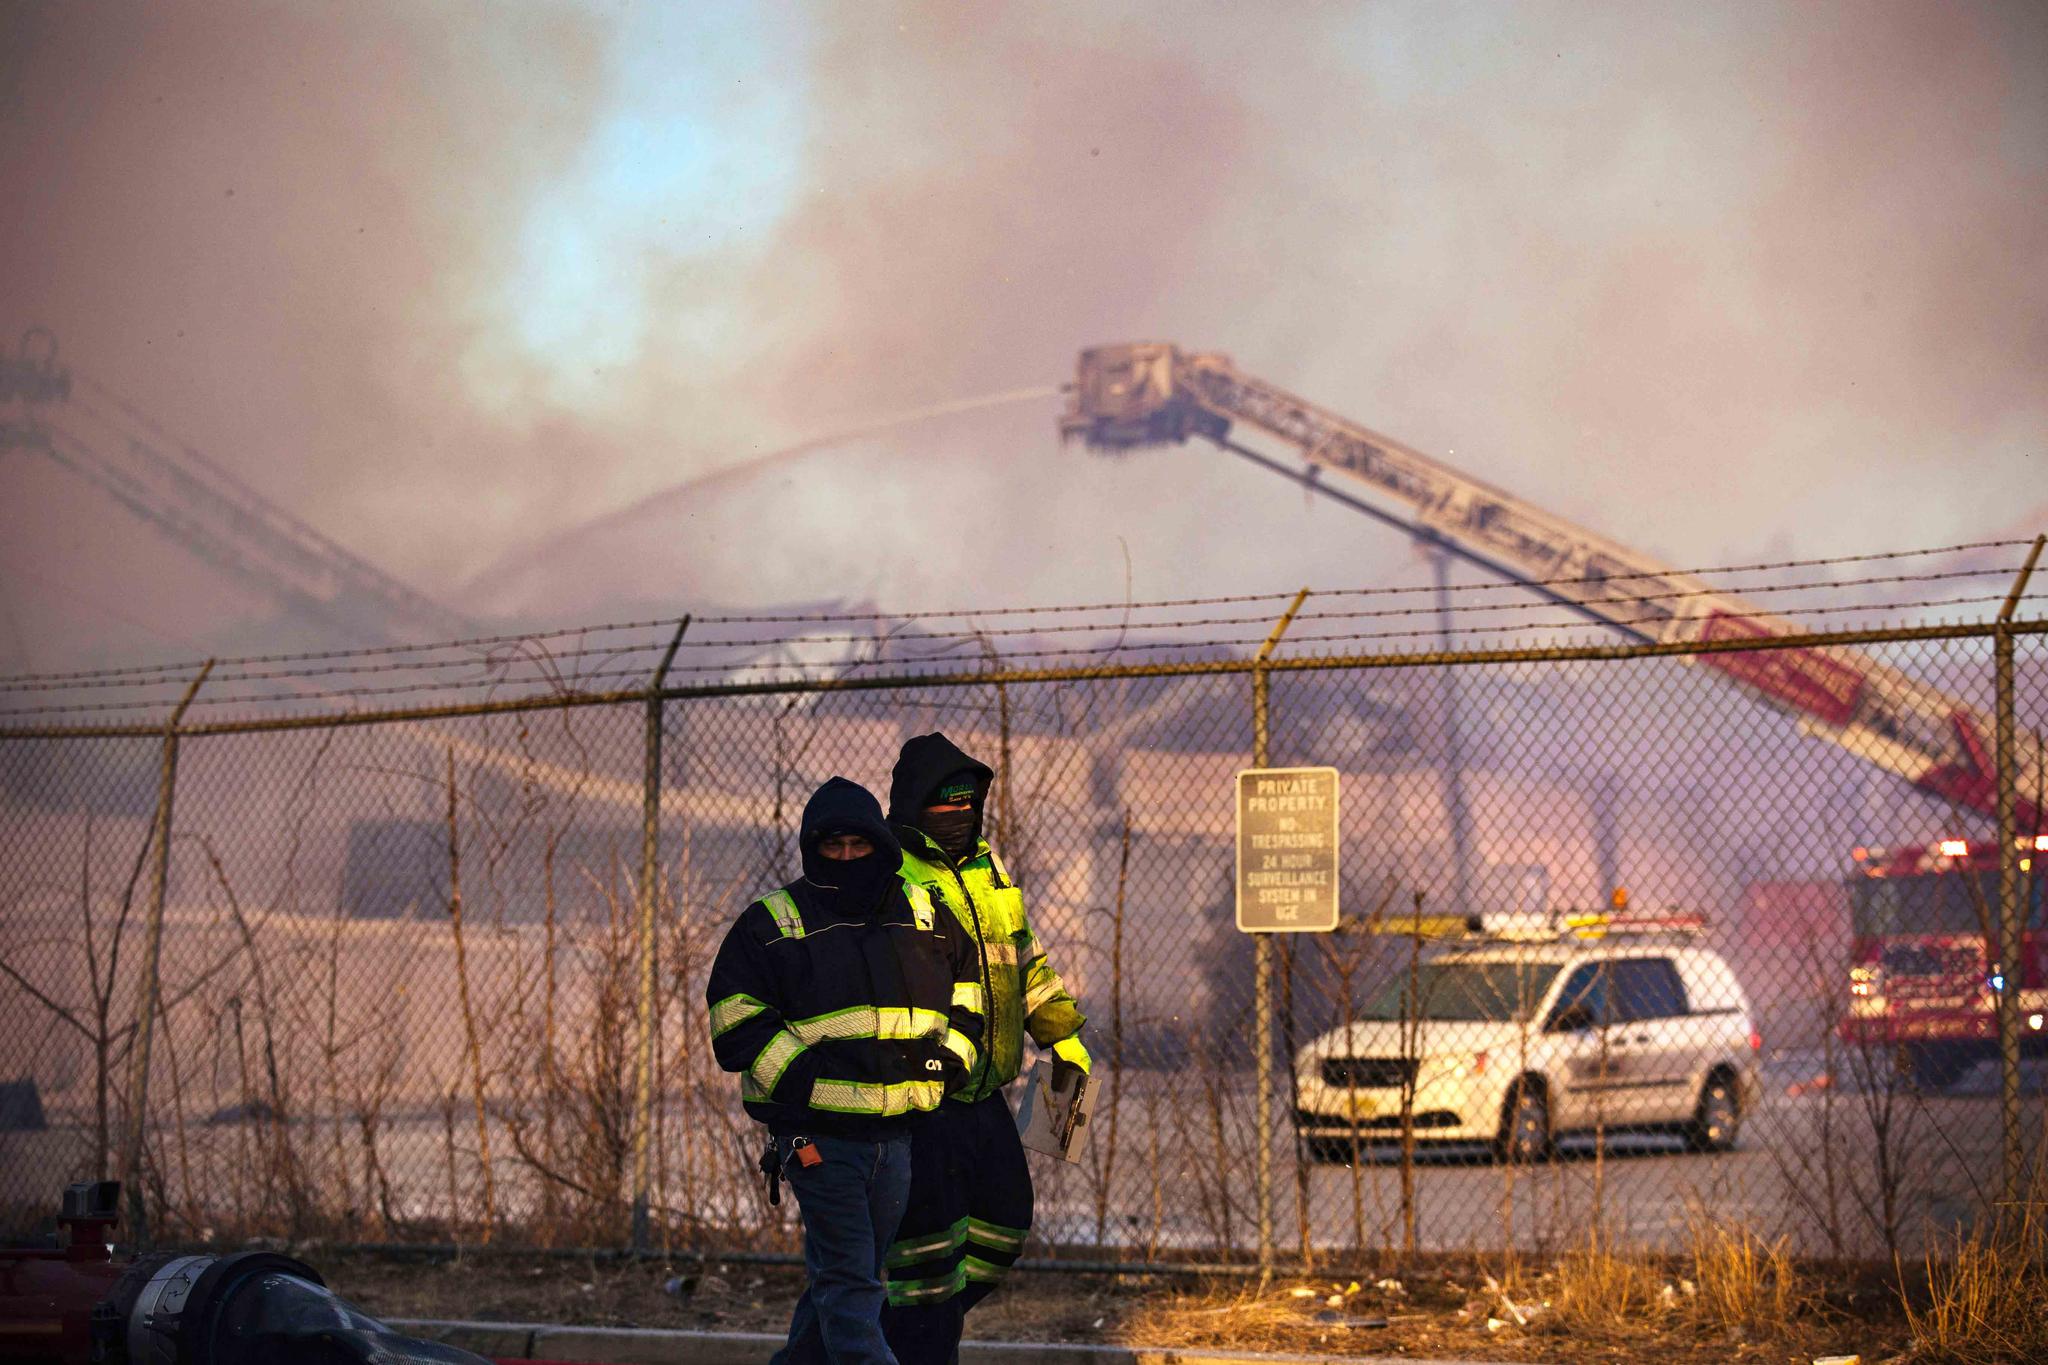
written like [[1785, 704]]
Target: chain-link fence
[[399, 995]]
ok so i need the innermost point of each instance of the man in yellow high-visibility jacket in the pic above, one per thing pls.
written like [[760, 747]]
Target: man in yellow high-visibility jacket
[[970, 1190]]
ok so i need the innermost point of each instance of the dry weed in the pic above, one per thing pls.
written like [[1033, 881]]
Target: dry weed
[[1598, 1286], [1236, 1314], [1988, 1302], [1234, 1311], [1742, 1281]]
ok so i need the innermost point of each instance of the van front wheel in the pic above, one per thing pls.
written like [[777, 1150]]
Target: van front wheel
[[1524, 1124], [1717, 1118]]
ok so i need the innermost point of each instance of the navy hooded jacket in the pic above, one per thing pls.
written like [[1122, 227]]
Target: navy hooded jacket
[[845, 1012]]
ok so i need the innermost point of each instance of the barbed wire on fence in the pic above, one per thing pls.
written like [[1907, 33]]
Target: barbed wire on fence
[[490, 665], [586, 661], [757, 680], [177, 672]]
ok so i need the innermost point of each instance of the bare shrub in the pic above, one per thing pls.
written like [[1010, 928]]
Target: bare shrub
[[101, 938], [1812, 1173], [584, 1083]]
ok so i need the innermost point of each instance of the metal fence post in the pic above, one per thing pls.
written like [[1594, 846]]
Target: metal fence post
[[2012, 971], [650, 838], [148, 988], [1262, 962]]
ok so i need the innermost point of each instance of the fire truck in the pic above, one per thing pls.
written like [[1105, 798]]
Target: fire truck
[[1909, 909], [1923, 977]]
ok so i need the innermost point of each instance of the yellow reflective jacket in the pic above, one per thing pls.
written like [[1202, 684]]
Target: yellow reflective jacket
[[1020, 989]]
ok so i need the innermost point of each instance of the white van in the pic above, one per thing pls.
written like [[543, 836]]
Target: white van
[[1518, 1043]]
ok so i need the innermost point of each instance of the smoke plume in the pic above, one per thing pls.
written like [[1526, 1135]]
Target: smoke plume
[[1705, 279]]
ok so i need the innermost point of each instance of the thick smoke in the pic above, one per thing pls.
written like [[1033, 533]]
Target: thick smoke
[[1706, 279]]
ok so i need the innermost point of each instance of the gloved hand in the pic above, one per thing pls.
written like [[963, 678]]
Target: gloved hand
[[1068, 1057]]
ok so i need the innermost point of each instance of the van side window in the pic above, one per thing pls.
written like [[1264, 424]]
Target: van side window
[[1645, 988], [1586, 989]]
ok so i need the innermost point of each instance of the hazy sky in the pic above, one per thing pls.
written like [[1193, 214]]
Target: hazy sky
[[450, 280]]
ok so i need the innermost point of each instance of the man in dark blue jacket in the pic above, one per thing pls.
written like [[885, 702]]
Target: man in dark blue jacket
[[849, 1003]]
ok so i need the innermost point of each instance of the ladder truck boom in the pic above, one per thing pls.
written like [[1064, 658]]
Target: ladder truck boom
[[193, 501], [1154, 393]]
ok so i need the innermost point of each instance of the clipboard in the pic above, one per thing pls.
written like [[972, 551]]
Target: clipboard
[[1054, 1121]]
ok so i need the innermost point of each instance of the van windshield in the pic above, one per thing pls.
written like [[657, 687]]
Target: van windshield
[[1464, 991]]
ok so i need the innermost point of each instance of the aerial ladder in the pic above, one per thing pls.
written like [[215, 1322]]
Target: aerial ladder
[[1154, 393], [101, 439]]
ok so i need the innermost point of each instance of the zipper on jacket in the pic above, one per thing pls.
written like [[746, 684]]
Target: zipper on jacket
[[896, 952], [988, 984]]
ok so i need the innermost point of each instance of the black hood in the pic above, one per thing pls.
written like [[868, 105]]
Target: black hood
[[843, 807], [926, 761], [850, 808]]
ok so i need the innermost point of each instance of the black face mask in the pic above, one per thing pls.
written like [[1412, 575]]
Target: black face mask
[[859, 882], [954, 831]]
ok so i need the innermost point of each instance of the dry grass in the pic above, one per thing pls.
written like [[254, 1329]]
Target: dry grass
[[1743, 1282], [1600, 1287], [1442, 1310], [1988, 1301], [1730, 1283], [1237, 1312]]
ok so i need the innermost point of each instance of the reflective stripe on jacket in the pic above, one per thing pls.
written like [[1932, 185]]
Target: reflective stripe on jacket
[[1023, 991]]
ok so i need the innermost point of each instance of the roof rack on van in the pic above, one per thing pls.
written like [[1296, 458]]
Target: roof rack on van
[[1551, 926], [1541, 926], [1422, 926], [1689, 923]]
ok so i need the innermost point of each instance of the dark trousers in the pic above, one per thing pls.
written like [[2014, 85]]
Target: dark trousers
[[852, 1201], [969, 1212]]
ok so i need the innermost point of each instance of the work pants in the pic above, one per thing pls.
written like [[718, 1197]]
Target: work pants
[[969, 1212], [852, 1201]]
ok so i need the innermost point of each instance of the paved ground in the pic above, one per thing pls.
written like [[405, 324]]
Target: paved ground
[[1807, 1163], [1806, 1168]]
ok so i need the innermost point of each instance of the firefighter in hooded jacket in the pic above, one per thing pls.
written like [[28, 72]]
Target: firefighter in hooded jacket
[[849, 1002], [970, 1196]]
